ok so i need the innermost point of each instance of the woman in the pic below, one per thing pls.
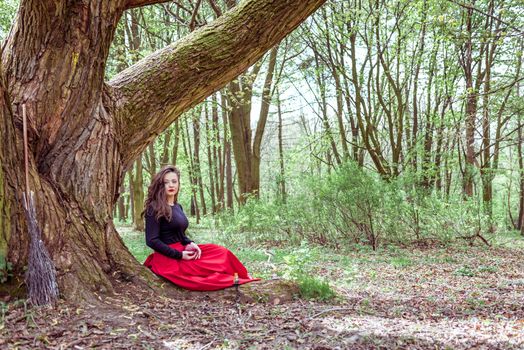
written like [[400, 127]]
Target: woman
[[177, 258]]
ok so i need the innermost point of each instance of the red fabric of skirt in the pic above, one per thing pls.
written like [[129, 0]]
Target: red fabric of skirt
[[214, 270]]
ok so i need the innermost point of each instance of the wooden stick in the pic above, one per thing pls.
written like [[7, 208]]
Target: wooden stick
[[26, 156]]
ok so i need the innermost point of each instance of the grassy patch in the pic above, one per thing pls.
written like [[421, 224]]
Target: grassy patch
[[465, 271], [401, 261], [135, 242], [315, 288]]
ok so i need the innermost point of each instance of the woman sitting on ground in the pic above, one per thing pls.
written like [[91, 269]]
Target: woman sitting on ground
[[176, 257]]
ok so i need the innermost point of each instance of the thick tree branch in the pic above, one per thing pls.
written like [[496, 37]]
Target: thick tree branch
[[139, 3], [151, 94]]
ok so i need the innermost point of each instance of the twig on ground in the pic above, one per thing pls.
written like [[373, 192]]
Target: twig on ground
[[329, 310]]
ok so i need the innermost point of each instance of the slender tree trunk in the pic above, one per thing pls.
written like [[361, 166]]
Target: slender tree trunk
[[487, 173], [334, 68], [151, 155], [218, 169], [262, 120], [227, 171], [427, 166], [164, 160], [197, 172], [174, 154], [122, 212], [323, 108], [131, 177], [520, 153], [193, 182], [210, 160], [138, 197], [419, 58], [282, 177], [472, 89]]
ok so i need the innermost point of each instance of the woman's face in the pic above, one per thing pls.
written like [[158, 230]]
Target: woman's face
[[171, 184]]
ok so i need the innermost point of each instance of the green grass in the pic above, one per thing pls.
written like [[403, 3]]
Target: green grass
[[135, 242], [401, 261], [318, 269], [508, 239], [315, 288]]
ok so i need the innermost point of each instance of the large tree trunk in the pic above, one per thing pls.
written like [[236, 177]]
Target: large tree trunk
[[84, 134]]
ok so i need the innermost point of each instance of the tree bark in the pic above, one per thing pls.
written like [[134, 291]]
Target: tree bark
[[210, 160], [122, 210], [165, 149], [138, 196], [239, 94], [227, 172], [282, 177], [174, 154], [197, 172], [262, 120], [186, 143], [472, 90], [218, 167], [84, 133]]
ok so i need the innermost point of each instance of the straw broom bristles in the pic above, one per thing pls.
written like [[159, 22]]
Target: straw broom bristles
[[41, 274]]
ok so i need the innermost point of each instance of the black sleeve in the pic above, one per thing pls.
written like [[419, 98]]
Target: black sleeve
[[185, 240], [153, 239]]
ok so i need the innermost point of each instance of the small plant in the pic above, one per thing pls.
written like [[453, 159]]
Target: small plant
[[6, 272], [488, 269], [465, 271], [401, 261], [314, 288], [298, 268]]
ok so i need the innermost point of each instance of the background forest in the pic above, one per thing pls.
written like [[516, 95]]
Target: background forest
[[389, 121], [375, 157], [374, 122]]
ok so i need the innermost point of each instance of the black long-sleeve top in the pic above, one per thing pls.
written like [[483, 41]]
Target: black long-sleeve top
[[162, 232]]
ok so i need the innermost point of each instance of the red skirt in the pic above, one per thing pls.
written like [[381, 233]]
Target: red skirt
[[214, 270]]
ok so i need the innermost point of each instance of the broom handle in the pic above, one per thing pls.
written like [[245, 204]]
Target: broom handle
[[26, 156]]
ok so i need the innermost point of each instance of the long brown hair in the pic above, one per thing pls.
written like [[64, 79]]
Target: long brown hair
[[156, 201]]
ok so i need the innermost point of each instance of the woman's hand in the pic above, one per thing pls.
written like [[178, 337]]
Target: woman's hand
[[188, 255], [193, 247]]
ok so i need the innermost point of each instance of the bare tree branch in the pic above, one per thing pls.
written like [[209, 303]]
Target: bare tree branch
[[194, 16], [214, 6], [139, 3]]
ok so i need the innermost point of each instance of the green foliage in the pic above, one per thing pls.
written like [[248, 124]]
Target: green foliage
[[465, 271], [354, 206], [135, 242], [298, 267], [7, 14], [315, 288], [6, 270], [401, 261]]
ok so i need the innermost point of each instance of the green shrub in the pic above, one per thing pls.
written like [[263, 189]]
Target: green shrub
[[314, 288], [354, 206]]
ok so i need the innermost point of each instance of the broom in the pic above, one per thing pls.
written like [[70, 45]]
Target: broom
[[40, 277]]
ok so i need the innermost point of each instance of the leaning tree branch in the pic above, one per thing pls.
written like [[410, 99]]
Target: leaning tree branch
[[139, 3], [154, 92]]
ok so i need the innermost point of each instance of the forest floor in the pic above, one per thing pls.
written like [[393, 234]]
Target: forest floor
[[432, 297]]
